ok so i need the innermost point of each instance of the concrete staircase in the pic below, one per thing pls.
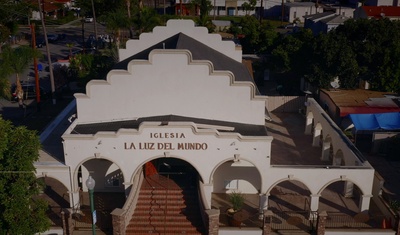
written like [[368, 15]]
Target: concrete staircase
[[166, 206]]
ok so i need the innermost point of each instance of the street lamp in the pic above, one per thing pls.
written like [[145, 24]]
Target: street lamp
[[90, 183]]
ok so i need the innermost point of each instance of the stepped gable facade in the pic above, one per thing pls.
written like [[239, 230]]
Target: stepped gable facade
[[181, 97]]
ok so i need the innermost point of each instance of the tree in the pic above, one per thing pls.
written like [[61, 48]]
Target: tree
[[254, 36], [21, 211], [116, 21], [249, 6], [146, 19], [361, 49], [15, 61], [10, 13], [205, 8]]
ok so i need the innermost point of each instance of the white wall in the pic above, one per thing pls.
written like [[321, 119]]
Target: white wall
[[155, 88]]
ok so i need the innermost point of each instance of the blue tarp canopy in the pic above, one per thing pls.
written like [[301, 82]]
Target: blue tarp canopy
[[376, 121]]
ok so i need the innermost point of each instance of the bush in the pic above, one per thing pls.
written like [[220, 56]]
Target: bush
[[237, 200]]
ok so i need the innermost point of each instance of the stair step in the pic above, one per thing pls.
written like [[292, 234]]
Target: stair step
[[162, 223], [159, 193], [162, 232], [169, 205], [170, 192], [165, 208], [170, 228]]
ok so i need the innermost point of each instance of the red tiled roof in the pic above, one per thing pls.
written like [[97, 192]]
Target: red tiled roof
[[381, 11], [50, 5], [358, 101]]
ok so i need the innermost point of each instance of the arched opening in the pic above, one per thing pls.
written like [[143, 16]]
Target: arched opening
[[338, 160], [167, 199], [289, 195], [341, 196], [57, 197], [108, 193], [290, 202], [175, 170], [242, 177]]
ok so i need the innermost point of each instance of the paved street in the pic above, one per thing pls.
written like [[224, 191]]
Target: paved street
[[58, 50]]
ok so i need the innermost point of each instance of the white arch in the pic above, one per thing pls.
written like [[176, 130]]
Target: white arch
[[232, 159], [339, 180], [141, 164], [53, 177], [75, 172], [268, 192]]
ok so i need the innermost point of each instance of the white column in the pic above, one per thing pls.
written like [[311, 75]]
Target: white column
[[364, 202], [316, 138], [314, 202], [348, 189], [263, 202], [263, 205], [74, 201], [308, 129], [207, 193], [325, 151]]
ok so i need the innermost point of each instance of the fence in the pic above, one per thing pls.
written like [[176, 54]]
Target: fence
[[342, 220], [292, 220]]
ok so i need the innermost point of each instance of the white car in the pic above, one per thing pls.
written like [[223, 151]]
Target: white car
[[89, 19]]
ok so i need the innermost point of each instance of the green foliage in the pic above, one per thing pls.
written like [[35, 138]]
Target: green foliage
[[258, 38], [249, 6], [11, 12], [394, 205], [146, 20], [237, 200], [358, 49], [85, 67], [21, 214], [14, 61]]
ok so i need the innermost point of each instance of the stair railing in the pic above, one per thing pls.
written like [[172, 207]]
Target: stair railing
[[124, 215]]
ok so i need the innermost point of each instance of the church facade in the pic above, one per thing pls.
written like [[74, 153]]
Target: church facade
[[182, 97]]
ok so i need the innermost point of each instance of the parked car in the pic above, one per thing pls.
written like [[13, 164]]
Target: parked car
[[29, 91], [52, 37], [89, 19], [40, 42]]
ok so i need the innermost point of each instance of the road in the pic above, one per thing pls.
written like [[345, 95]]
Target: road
[[58, 50]]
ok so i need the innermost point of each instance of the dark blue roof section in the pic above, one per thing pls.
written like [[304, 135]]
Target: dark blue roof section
[[377, 121]]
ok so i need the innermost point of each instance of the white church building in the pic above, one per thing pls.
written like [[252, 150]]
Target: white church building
[[181, 101]]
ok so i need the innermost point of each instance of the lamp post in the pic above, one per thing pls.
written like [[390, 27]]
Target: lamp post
[[90, 183]]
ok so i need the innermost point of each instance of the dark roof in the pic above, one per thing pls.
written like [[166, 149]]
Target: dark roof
[[243, 129], [199, 52]]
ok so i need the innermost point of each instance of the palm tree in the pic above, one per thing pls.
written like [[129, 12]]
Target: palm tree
[[116, 21], [5, 86], [15, 61], [70, 45]]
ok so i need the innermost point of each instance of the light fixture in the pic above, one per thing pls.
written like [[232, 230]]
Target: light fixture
[[90, 183]]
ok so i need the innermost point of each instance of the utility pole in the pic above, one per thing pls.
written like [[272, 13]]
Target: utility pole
[[35, 65], [283, 12], [215, 5], [53, 88], [83, 35], [261, 11], [94, 20]]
